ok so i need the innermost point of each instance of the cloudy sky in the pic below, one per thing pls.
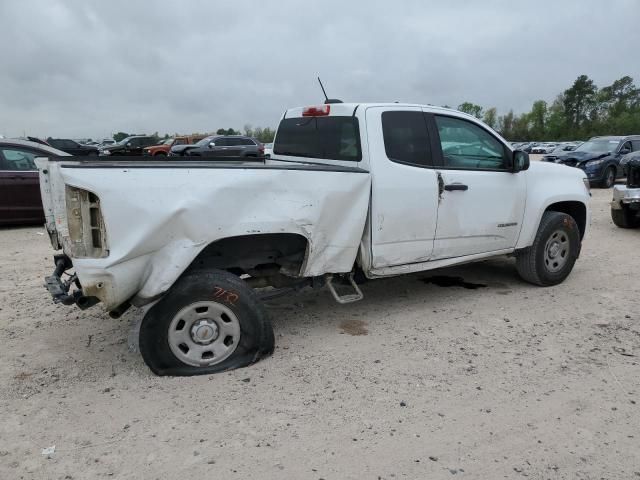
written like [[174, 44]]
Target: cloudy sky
[[89, 68]]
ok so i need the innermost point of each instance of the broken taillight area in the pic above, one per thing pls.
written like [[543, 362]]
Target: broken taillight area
[[87, 235]]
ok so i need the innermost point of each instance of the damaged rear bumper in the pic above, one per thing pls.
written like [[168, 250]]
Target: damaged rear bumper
[[60, 289]]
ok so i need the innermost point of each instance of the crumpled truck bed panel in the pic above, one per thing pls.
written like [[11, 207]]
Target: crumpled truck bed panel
[[158, 220]]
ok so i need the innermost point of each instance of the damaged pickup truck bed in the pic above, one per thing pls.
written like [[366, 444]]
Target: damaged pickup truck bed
[[378, 189]]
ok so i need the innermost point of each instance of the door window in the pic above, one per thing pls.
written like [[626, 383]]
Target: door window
[[18, 160], [626, 148], [234, 142], [221, 142], [468, 146], [635, 145], [406, 139], [246, 141]]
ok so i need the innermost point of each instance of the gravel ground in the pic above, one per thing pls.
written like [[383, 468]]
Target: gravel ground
[[416, 381]]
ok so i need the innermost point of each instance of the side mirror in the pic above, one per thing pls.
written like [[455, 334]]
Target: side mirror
[[520, 161], [212, 144], [128, 144]]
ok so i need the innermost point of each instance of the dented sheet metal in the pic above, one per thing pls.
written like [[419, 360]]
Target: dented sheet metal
[[159, 219]]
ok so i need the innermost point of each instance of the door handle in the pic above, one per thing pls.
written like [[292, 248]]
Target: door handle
[[456, 186]]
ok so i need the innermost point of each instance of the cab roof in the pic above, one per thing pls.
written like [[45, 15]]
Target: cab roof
[[348, 109]]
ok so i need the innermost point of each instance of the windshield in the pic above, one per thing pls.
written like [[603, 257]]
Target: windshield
[[168, 141], [124, 140], [598, 146], [205, 141]]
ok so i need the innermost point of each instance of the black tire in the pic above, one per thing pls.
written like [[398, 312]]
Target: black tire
[[533, 263], [160, 154], [93, 153], [256, 339], [625, 217], [609, 178]]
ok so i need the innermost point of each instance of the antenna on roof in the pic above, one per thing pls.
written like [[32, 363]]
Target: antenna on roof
[[327, 100]]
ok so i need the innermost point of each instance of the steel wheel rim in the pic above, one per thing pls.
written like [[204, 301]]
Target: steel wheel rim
[[204, 334], [556, 251]]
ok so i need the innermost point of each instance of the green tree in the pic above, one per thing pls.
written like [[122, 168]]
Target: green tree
[[491, 117], [471, 109], [118, 137], [556, 126], [621, 96], [579, 100], [505, 126], [537, 119]]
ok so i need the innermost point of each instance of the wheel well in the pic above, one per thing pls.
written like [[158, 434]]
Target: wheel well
[[267, 253], [577, 210]]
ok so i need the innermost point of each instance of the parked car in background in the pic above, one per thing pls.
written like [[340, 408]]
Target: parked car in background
[[164, 147], [133, 145], [107, 142], [268, 150], [221, 146], [625, 207], [624, 161], [599, 157], [544, 148], [72, 147], [20, 202], [565, 147]]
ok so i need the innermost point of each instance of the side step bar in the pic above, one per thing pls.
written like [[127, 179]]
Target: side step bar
[[354, 297]]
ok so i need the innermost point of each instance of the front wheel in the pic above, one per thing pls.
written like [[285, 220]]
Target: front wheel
[[553, 253], [209, 322], [625, 217], [609, 178]]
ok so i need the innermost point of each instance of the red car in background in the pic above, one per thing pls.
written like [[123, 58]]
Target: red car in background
[[164, 147], [20, 202]]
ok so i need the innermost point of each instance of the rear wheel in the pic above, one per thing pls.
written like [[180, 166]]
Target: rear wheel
[[553, 253], [209, 322], [625, 217], [160, 154]]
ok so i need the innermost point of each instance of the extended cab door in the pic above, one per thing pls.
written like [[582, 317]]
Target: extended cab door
[[404, 200], [481, 202]]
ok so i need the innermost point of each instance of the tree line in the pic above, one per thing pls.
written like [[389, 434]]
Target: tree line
[[581, 111]]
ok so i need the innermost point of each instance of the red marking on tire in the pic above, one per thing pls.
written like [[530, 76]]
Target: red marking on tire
[[226, 296]]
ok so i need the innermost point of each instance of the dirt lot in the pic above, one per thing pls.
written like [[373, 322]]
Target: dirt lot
[[416, 381]]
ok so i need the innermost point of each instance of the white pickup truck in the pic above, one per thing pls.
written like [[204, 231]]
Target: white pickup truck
[[373, 189]]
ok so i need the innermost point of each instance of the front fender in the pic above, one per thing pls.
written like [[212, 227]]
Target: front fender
[[549, 184]]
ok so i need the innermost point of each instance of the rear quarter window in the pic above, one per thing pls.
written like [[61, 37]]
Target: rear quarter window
[[331, 138]]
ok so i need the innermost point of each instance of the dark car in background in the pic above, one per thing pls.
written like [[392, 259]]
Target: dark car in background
[[599, 157], [20, 202], [627, 158], [72, 147], [133, 145], [221, 146]]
